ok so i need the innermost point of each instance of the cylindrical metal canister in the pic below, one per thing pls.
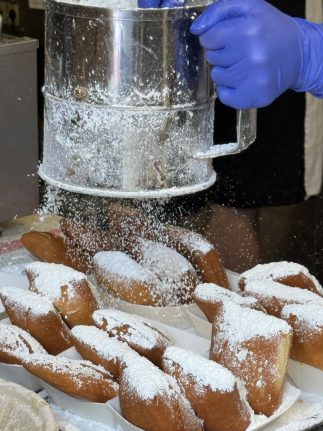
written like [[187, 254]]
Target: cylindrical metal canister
[[128, 101]]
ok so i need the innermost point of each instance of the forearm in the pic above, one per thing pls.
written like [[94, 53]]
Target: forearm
[[311, 76]]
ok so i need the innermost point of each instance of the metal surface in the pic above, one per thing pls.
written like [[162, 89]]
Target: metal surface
[[128, 102]]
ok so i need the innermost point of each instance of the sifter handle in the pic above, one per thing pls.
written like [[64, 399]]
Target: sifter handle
[[246, 135]]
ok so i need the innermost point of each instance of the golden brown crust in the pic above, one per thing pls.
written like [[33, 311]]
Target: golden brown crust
[[75, 310], [114, 366], [261, 356], [307, 345], [133, 291], [101, 349], [48, 329], [165, 410], [51, 248], [135, 332], [155, 415], [211, 307], [87, 381], [299, 280], [15, 344], [207, 263], [219, 410]]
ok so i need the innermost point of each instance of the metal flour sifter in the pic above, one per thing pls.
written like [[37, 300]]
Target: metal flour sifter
[[129, 103]]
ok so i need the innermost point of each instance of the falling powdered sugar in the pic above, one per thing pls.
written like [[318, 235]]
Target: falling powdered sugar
[[124, 266], [164, 261], [205, 372], [178, 277], [49, 278], [193, 241]]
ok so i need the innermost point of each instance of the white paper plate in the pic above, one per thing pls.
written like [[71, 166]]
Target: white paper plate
[[306, 377], [201, 325], [110, 413], [173, 316]]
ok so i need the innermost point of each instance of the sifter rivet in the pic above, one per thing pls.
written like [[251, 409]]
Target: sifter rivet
[[80, 92]]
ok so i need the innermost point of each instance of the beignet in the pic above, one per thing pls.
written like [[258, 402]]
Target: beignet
[[199, 252], [98, 347], [37, 316], [52, 248], [16, 344], [80, 379], [137, 332], [307, 323], [87, 237], [153, 401], [274, 296], [215, 394], [66, 288], [255, 347], [126, 279], [178, 277], [288, 273], [209, 297]]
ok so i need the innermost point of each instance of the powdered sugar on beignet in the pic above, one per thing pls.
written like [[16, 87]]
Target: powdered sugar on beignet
[[97, 346], [255, 347], [50, 277], [208, 296], [178, 277], [75, 377], [289, 273], [37, 315], [69, 290], [16, 344], [137, 332], [125, 278], [24, 300], [216, 395], [152, 400], [307, 323], [274, 296]]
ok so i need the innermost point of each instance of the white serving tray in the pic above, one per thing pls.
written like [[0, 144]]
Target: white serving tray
[[110, 413]]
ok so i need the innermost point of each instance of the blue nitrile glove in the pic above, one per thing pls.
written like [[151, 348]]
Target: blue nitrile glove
[[160, 3], [258, 52]]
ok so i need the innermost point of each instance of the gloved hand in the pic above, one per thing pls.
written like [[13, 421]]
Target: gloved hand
[[257, 52], [160, 3]]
